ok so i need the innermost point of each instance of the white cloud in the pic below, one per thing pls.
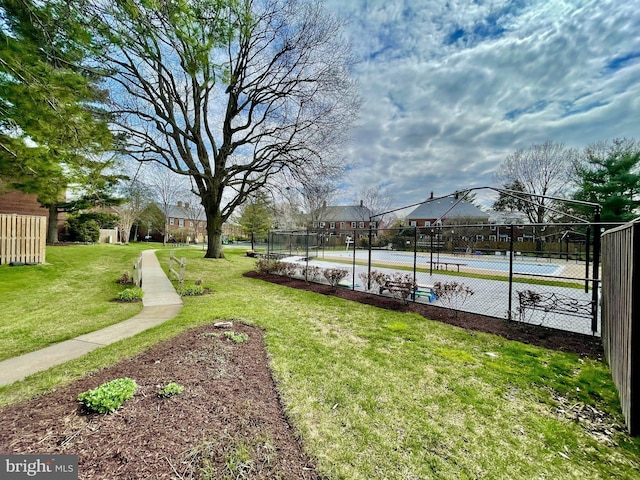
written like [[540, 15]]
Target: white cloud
[[451, 88]]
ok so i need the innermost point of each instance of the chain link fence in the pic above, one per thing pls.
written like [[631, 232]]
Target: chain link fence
[[537, 274]]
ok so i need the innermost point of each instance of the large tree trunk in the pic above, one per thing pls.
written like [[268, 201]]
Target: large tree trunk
[[52, 227], [214, 232]]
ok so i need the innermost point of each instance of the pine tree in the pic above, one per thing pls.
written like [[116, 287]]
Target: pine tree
[[53, 134], [608, 174]]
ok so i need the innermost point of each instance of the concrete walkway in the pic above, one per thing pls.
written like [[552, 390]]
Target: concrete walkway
[[160, 303]]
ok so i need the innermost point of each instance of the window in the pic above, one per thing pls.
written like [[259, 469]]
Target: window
[[373, 224], [520, 239], [332, 225], [427, 223], [353, 224], [493, 227], [413, 223], [171, 221], [341, 224], [321, 224], [200, 224], [190, 223], [492, 238], [181, 222], [479, 238], [361, 224], [438, 223]]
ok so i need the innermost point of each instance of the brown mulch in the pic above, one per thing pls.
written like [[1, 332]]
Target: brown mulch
[[583, 345], [228, 420]]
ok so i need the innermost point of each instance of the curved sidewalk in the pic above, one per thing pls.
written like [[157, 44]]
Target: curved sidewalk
[[160, 303]]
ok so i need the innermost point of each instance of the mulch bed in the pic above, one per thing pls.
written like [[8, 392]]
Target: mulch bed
[[229, 407], [583, 345]]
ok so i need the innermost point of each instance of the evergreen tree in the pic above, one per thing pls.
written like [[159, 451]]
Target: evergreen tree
[[52, 132], [608, 174], [256, 217]]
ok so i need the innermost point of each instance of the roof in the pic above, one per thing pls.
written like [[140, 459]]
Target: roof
[[186, 212], [442, 209], [348, 213]]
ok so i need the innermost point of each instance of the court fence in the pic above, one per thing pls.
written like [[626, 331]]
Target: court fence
[[539, 274]]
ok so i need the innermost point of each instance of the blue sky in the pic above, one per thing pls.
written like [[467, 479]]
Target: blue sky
[[450, 88]]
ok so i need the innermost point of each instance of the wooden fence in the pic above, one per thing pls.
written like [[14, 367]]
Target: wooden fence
[[22, 239], [621, 316], [137, 272], [179, 273]]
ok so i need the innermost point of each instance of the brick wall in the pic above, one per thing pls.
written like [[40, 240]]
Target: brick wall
[[26, 204], [22, 204]]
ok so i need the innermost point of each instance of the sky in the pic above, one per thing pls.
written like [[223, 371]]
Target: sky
[[450, 88]]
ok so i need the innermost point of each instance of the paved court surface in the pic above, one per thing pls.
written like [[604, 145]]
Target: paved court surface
[[490, 297]]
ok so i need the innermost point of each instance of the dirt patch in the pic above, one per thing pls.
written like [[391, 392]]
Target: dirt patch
[[583, 345], [227, 421]]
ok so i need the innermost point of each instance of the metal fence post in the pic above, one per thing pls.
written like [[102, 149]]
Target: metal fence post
[[431, 255], [596, 272], [269, 241], [510, 273], [306, 270], [353, 267], [586, 260], [415, 256], [369, 261]]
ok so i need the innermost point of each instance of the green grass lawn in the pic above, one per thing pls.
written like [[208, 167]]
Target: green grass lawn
[[68, 296], [377, 394]]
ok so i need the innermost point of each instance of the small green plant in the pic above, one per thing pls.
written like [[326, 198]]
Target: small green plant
[[237, 337], [191, 290], [108, 397], [170, 389], [130, 294]]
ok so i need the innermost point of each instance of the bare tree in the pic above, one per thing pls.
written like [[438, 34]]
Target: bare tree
[[377, 199], [315, 197], [234, 94], [167, 187], [542, 169], [136, 198]]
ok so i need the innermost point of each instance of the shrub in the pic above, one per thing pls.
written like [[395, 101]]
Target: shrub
[[84, 231], [373, 280], [170, 389], [130, 294], [265, 266], [108, 397], [453, 295], [237, 337], [311, 272], [334, 275], [288, 269], [404, 285]]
